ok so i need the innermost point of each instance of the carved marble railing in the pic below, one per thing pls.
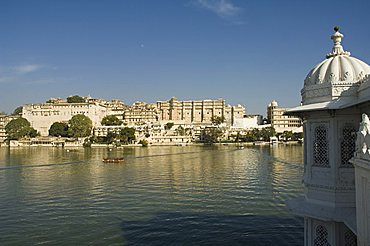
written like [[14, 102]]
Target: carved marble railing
[[363, 139]]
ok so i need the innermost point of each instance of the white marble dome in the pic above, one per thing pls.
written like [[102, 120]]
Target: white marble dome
[[273, 103], [334, 76], [338, 68]]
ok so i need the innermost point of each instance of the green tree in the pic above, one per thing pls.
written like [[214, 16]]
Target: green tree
[[32, 133], [87, 143], [80, 126], [95, 139], [75, 99], [18, 111], [267, 132], [169, 125], [111, 120], [111, 136], [217, 120], [59, 129], [253, 135], [144, 143], [19, 128], [297, 136], [212, 134], [287, 135], [180, 131], [237, 137]]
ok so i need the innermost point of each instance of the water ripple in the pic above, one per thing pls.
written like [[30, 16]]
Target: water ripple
[[158, 196]]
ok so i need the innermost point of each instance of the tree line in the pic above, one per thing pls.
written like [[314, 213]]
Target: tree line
[[79, 126]]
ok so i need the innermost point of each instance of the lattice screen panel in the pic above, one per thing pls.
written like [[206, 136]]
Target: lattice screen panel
[[321, 236], [321, 146], [347, 145]]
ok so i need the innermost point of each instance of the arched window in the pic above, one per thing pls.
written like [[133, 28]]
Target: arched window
[[321, 146]]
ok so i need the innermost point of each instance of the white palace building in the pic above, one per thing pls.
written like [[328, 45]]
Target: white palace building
[[335, 105]]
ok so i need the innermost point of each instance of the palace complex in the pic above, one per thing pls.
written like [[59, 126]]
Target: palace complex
[[198, 111], [193, 115], [186, 113]]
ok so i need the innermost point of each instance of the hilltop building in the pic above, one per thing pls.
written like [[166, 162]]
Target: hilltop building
[[114, 107], [141, 112], [198, 114], [43, 115], [281, 122], [198, 111], [336, 201]]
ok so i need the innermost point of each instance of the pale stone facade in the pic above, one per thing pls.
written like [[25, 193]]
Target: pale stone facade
[[4, 120], [335, 94], [196, 114], [168, 139], [198, 111], [247, 122], [43, 115], [141, 112], [102, 131], [114, 107], [281, 122]]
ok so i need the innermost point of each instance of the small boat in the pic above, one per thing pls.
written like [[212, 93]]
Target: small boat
[[113, 160], [180, 144], [72, 150]]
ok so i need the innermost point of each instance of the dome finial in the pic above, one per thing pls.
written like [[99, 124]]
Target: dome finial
[[337, 49]]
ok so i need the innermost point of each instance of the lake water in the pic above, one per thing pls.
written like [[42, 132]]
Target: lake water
[[189, 195]]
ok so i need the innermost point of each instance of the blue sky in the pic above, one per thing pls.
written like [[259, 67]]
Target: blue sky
[[245, 51]]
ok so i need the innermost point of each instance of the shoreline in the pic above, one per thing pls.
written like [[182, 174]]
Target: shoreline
[[248, 144]]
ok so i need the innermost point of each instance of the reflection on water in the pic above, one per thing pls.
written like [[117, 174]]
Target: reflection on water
[[158, 196]]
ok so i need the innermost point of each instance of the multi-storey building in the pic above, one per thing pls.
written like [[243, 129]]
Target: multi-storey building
[[4, 120], [281, 122], [102, 131], [43, 115], [198, 111], [141, 112], [114, 107]]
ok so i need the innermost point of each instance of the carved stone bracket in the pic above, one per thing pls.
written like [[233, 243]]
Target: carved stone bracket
[[363, 139]]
